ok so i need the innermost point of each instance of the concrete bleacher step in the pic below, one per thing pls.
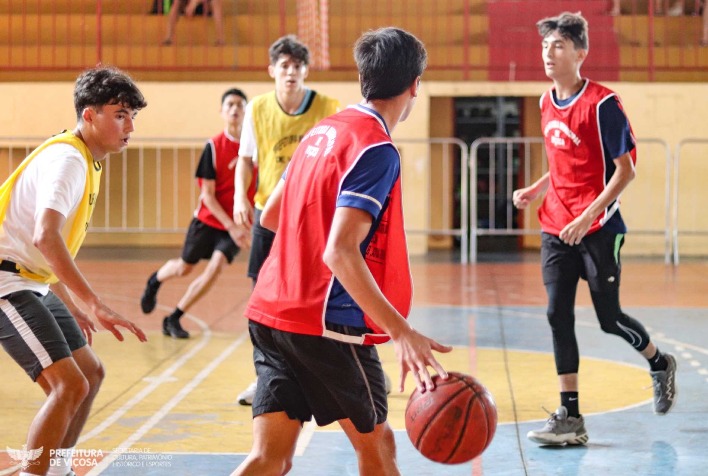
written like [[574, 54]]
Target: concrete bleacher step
[[77, 29], [63, 35], [635, 30], [155, 57], [634, 7], [352, 8]]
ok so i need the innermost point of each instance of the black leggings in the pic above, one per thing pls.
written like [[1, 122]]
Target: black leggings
[[561, 317]]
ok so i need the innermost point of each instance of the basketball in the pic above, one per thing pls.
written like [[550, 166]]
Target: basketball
[[455, 422]]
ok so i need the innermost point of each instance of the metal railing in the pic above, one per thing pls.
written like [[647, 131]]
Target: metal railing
[[451, 150], [149, 187], [689, 191], [525, 157]]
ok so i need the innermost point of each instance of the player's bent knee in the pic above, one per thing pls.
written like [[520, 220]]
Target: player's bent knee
[[96, 376], [184, 269], [73, 391]]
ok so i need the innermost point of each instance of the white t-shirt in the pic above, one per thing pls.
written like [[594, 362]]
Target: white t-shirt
[[54, 179], [247, 145]]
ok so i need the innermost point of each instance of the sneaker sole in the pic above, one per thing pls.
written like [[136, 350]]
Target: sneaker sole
[[245, 403], [561, 440]]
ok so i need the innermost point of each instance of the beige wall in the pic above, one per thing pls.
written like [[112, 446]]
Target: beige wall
[[671, 112]]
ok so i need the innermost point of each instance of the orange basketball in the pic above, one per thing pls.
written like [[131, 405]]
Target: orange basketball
[[455, 422]]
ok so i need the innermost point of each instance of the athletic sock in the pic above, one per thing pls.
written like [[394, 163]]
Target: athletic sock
[[570, 401], [176, 314], [153, 282], [658, 362]]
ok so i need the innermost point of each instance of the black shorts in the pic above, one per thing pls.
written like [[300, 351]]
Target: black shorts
[[305, 376], [37, 330], [596, 259], [202, 240], [261, 243]]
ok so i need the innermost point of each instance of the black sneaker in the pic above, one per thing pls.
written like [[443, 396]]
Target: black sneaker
[[149, 299], [174, 329]]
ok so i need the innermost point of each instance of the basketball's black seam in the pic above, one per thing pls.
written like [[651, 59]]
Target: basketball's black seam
[[484, 402], [461, 433], [440, 408]]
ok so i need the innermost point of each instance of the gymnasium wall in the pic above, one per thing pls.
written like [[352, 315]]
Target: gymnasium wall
[[670, 112]]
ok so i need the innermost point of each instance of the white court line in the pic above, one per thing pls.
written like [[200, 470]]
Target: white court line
[[159, 380], [306, 435], [167, 407]]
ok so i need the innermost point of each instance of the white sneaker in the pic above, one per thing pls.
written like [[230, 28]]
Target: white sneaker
[[246, 397], [561, 429], [387, 380]]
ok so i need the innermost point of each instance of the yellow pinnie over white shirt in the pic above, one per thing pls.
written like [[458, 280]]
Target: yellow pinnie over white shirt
[[61, 175]]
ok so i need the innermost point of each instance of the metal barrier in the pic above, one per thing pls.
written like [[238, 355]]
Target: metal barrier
[[149, 187], [693, 184], [448, 183], [502, 163], [523, 157]]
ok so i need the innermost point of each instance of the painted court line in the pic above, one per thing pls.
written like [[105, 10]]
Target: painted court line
[[167, 407], [306, 435], [140, 396], [159, 380]]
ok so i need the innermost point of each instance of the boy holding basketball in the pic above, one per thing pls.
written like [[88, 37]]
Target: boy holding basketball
[[337, 279], [591, 155]]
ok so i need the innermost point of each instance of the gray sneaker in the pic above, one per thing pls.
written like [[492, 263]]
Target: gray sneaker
[[561, 429], [664, 382]]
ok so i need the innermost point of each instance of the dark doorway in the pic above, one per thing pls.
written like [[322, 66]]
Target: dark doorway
[[477, 117]]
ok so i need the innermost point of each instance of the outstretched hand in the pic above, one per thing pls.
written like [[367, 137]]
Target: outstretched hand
[[111, 320], [87, 326], [415, 355]]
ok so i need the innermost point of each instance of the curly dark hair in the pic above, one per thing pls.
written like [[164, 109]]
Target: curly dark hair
[[106, 85]]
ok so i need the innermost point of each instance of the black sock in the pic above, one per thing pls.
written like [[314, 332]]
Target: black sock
[[570, 401], [658, 362], [176, 314], [153, 282]]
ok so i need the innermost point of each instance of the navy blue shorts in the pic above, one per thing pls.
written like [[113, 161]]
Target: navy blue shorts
[[306, 376], [37, 331]]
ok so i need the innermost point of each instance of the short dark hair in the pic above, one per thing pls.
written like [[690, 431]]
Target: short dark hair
[[106, 85], [388, 60], [571, 26], [289, 45], [233, 92]]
